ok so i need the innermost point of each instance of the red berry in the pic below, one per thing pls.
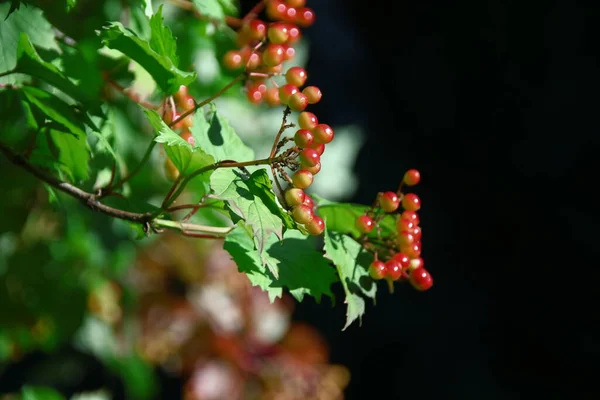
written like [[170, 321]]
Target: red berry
[[233, 60], [295, 3], [377, 270], [302, 179], [404, 224], [257, 29], [272, 97], [415, 263], [417, 233], [187, 103], [303, 214], [303, 138], [254, 95], [309, 158], [278, 33], [294, 32], [296, 76], [276, 9], [290, 14], [304, 16], [253, 61], [411, 216], [319, 147], [273, 55], [309, 202], [298, 102], [410, 201], [314, 169], [413, 250], [307, 120], [289, 52], [181, 94], [405, 239], [286, 91], [421, 279], [389, 201], [188, 137], [316, 226], [185, 124], [313, 94], [403, 259], [393, 269], [364, 224], [412, 177], [294, 197], [322, 133]]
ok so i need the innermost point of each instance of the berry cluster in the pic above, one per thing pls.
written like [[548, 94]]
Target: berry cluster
[[398, 258], [181, 103], [277, 37]]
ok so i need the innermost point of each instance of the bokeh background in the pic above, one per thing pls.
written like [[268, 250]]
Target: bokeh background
[[496, 104]]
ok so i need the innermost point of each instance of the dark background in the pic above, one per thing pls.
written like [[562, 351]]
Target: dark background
[[496, 103]]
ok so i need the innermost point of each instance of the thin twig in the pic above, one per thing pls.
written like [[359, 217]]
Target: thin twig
[[110, 188]]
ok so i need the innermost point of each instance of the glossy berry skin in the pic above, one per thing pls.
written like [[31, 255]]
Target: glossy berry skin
[[404, 224], [278, 33], [389, 201], [323, 133], [233, 60], [313, 94], [415, 263], [421, 279], [256, 30], [303, 214], [294, 32], [286, 91], [403, 259], [377, 270], [295, 3], [411, 216], [298, 102], [411, 177], [272, 97], [417, 232], [255, 96], [290, 14], [188, 137], [304, 16], [411, 202], [303, 138], [405, 239], [277, 9], [364, 224], [319, 147], [181, 94], [413, 250], [316, 226], [296, 76], [307, 120], [289, 52], [309, 202], [315, 169], [294, 197], [393, 269], [273, 55], [302, 179], [309, 158]]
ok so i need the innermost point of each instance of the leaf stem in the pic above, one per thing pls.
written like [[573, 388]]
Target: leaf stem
[[107, 190], [192, 228], [5, 73], [282, 129]]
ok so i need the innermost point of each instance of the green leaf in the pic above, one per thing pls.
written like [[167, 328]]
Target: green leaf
[[210, 8], [161, 39], [56, 110], [230, 7], [218, 138], [341, 217], [29, 20], [352, 265], [40, 393], [304, 270], [162, 68], [244, 198], [71, 4], [73, 154]]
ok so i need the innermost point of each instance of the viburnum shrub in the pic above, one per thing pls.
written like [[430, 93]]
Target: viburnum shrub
[[69, 96]]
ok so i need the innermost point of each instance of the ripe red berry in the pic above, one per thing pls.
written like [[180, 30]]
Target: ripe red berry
[[298, 102], [323, 133], [415, 263], [296, 76], [253, 60], [272, 96], [393, 269], [187, 103], [417, 232], [294, 33], [290, 14], [377, 270], [303, 138], [313, 94], [302, 214], [257, 30], [411, 216], [289, 52], [304, 16], [413, 250], [316, 226], [295, 3], [185, 123], [389, 201], [412, 177], [233, 60], [307, 120], [276, 9], [405, 239], [319, 147], [302, 179], [314, 169], [404, 224], [286, 91], [273, 55], [188, 137], [410, 201], [278, 33], [421, 279], [365, 224], [402, 258], [309, 158], [309, 202], [294, 197], [254, 94], [181, 94]]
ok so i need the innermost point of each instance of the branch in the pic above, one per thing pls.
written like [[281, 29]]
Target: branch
[[109, 189], [192, 229], [88, 199]]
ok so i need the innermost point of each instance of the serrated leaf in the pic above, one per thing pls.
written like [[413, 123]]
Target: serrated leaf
[[341, 217], [245, 200], [161, 39], [264, 190], [352, 265], [303, 269], [162, 69], [29, 20], [30, 63], [40, 393], [210, 8], [218, 138]]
